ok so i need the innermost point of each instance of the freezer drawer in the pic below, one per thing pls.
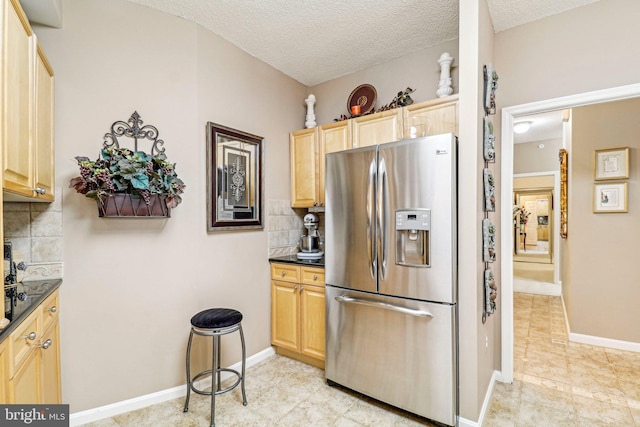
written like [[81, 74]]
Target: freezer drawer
[[399, 351]]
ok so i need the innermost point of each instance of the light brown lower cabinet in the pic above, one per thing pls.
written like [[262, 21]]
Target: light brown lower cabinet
[[298, 312], [31, 358]]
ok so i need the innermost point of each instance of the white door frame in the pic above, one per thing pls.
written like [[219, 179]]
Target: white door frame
[[506, 191]]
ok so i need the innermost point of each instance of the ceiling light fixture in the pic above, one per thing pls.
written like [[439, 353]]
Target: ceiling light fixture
[[521, 127]]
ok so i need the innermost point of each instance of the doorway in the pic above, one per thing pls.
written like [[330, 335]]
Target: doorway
[[533, 222], [506, 186]]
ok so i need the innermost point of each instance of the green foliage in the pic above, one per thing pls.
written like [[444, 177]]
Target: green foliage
[[120, 170]]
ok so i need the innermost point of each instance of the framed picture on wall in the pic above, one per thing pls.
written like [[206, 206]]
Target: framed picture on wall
[[612, 163], [234, 179], [610, 198]]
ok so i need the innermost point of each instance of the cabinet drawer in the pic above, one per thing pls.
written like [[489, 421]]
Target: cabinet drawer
[[285, 272], [312, 276], [21, 345], [50, 310]]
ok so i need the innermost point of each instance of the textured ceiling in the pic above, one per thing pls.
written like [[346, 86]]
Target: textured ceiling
[[543, 126], [511, 13], [316, 41]]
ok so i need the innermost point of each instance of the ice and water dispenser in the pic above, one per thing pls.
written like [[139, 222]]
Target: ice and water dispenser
[[413, 237]]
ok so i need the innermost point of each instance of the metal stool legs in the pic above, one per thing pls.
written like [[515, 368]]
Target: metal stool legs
[[216, 385]]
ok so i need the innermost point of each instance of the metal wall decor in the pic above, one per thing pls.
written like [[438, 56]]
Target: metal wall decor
[[488, 142], [128, 182], [489, 202], [490, 86], [489, 191], [134, 129], [234, 179]]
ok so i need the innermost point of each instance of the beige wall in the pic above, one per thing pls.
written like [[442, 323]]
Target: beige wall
[[528, 182], [529, 158], [604, 278], [131, 286], [588, 48], [418, 70]]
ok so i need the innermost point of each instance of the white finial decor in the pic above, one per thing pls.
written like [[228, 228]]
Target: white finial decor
[[444, 85], [311, 117]]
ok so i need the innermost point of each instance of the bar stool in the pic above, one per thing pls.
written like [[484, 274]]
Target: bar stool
[[215, 322]]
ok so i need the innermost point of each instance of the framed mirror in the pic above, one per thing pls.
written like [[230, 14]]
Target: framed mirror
[[533, 222], [234, 179]]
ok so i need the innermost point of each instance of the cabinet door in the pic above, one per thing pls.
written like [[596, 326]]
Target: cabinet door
[[284, 315], [303, 168], [24, 387], [16, 97], [43, 137], [4, 372], [312, 323], [332, 137], [377, 128], [431, 119], [50, 366]]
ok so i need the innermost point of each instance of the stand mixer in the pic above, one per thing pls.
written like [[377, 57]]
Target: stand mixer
[[309, 243]]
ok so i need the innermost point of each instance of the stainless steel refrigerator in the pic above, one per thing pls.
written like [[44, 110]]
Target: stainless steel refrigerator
[[390, 264]]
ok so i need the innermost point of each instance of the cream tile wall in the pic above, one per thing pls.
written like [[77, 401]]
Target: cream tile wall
[[35, 230], [284, 225]]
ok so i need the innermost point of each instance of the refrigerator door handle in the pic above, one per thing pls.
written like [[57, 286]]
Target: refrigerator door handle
[[382, 217], [384, 305], [371, 195]]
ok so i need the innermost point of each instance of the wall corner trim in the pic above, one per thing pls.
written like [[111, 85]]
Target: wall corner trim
[[463, 422]]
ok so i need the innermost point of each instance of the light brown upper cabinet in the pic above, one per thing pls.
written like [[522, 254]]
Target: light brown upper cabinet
[[332, 137], [308, 148], [304, 175], [17, 93], [377, 128], [43, 177], [26, 123], [431, 117]]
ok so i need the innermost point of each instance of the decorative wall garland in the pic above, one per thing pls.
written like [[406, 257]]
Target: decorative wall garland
[[489, 200]]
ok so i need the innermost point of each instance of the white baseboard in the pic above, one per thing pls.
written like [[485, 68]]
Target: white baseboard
[[599, 341], [463, 422], [605, 342], [95, 414], [535, 287]]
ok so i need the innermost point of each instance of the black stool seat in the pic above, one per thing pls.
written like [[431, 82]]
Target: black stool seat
[[215, 318], [214, 323]]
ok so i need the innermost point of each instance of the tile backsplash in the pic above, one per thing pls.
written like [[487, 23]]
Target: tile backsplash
[[35, 230], [284, 225]]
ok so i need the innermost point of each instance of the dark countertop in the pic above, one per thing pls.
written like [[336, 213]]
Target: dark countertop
[[36, 292], [293, 259]]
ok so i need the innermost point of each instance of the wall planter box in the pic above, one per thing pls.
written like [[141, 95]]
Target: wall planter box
[[126, 206]]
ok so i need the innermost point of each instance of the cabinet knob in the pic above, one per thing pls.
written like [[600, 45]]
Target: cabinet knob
[[301, 288], [45, 345], [39, 190], [284, 273], [31, 336], [315, 203], [53, 309], [315, 277], [295, 288]]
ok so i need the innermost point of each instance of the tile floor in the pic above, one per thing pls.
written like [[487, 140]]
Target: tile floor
[[557, 383]]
